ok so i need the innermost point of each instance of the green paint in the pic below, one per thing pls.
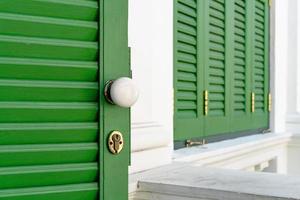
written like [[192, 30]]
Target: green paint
[[223, 47], [115, 64], [55, 59]]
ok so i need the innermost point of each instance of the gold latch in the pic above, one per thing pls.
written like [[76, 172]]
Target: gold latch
[[270, 102], [253, 102], [205, 102], [115, 142], [190, 143]]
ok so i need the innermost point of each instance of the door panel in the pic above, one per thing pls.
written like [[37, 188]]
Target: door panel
[[55, 58], [34, 105]]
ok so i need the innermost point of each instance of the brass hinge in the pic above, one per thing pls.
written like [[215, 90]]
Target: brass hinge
[[253, 102], [270, 3], [205, 102], [270, 102], [190, 143]]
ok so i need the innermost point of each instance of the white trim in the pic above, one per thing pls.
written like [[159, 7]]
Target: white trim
[[279, 63]]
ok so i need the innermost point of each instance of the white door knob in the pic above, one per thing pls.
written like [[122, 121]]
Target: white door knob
[[122, 92]]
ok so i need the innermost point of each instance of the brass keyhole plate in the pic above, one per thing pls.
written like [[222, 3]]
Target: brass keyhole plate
[[115, 142]]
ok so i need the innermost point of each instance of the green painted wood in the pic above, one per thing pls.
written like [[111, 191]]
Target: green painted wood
[[188, 70], [48, 133], [217, 65], [37, 176], [55, 58], [114, 169], [222, 47], [260, 63], [241, 119], [72, 9], [18, 24], [45, 69], [46, 154], [76, 192]]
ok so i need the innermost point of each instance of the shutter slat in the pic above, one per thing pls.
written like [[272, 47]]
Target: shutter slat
[[80, 191], [47, 133], [48, 175]]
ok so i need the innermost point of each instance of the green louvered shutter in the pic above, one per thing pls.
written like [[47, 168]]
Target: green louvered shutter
[[241, 74], [187, 73], [217, 74], [260, 62], [51, 122], [226, 48]]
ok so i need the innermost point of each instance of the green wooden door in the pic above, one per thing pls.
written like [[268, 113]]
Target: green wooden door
[[55, 57], [222, 50]]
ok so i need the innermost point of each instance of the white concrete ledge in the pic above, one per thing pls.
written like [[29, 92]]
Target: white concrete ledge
[[189, 182], [233, 146], [240, 153]]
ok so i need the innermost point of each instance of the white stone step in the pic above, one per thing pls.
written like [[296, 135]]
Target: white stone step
[[190, 182]]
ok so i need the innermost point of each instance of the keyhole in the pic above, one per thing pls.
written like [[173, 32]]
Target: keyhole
[[117, 142]]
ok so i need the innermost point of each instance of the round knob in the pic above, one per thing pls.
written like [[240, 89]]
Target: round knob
[[122, 92]]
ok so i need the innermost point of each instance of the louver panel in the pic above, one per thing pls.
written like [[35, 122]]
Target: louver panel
[[186, 67], [239, 102], [49, 99], [259, 73], [186, 93], [216, 66], [260, 63], [216, 79]]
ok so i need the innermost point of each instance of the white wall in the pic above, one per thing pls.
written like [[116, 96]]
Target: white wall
[[151, 42], [293, 88]]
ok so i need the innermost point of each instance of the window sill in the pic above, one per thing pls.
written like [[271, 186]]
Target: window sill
[[239, 153]]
